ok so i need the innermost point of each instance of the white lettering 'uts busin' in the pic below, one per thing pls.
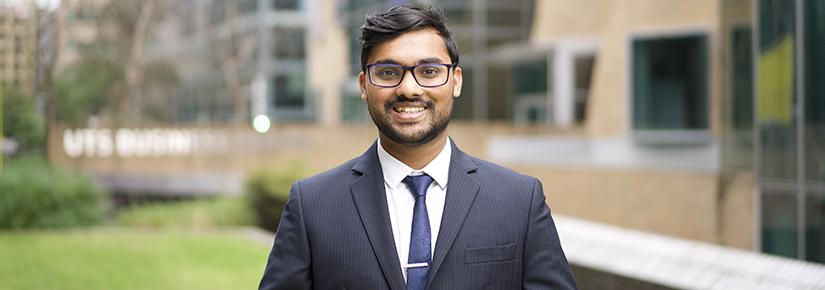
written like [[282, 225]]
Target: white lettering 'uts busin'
[[128, 142]]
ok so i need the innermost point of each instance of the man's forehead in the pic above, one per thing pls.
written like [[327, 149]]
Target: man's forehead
[[410, 48]]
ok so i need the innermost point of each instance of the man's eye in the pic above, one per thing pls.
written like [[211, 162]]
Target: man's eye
[[429, 72], [388, 73]]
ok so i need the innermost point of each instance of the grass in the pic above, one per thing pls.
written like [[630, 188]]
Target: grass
[[203, 213], [123, 258]]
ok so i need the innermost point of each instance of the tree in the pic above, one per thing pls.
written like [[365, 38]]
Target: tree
[[22, 122], [84, 89], [235, 50], [161, 82], [126, 25]]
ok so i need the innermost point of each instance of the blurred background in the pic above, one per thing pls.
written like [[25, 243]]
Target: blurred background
[[150, 144]]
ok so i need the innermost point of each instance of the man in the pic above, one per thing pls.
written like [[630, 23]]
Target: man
[[414, 212]]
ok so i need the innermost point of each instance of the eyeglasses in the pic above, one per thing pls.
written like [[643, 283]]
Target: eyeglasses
[[428, 75]]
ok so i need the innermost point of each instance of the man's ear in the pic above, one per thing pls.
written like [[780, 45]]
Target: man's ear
[[458, 79], [362, 85]]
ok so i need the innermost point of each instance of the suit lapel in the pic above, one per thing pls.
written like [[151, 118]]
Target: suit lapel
[[371, 202], [461, 192]]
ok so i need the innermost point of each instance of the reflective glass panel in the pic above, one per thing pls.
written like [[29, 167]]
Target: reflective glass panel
[[815, 90], [815, 227], [779, 226], [776, 90], [670, 83], [288, 91]]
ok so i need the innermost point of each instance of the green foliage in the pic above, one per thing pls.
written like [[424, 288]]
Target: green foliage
[[160, 87], [129, 259], [86, 88], [36, 195], [205, 213], [21, 120], [268, 191]]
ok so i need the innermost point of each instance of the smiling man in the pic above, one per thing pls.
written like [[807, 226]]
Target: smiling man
[[414, 211]]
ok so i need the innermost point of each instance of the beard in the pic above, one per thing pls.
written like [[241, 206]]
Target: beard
[[436, 123]]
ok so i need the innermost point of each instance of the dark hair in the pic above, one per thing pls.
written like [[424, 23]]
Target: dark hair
[[383, 27]]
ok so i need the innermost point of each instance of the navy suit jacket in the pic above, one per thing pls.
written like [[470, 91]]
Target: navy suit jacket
[[496, 232]]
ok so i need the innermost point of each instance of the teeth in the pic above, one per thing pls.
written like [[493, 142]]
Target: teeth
[[409, 109]]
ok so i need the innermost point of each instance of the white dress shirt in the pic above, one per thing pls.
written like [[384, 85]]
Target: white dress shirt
[[400, 201]]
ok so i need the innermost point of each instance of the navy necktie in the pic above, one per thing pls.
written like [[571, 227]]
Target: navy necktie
[[419, 258]]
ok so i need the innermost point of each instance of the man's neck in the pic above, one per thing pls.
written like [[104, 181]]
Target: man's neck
[[415, 156]]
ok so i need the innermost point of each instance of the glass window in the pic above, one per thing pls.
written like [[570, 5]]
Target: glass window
[[815, 227], [463, 106], [355, 51], [737, 142], [505, 17], [530, 77], [353, 109], [779, 226], [815, 90], [288, 43], [288, 91], [216, 12], [529, 91], [247, 6], [286, 4], [458, 12], [776, 90], [583, 66], [742, 79], [670, 83], [352, 5]]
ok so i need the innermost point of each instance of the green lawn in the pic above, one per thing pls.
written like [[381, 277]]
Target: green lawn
[[127, 258]]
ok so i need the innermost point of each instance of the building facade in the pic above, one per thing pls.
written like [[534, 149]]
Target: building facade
[[252, 50], [788, 40], [18, 42]]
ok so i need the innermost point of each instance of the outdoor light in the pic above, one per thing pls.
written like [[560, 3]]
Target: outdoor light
[[261, 123]]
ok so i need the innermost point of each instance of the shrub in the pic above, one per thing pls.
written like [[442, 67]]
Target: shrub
[[34, 194], [203, 213], [268, 191]]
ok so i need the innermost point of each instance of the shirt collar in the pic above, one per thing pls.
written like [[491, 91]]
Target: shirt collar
[[395, 171]]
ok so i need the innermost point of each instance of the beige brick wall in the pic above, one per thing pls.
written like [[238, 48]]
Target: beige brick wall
[[673, 203]]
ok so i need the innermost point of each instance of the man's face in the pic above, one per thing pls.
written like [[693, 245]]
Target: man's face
[[410, 114]]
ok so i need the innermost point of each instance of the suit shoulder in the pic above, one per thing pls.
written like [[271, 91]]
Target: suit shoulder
[[493, 172], [331, 176]]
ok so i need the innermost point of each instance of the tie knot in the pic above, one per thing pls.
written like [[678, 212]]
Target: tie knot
[[418, 184]]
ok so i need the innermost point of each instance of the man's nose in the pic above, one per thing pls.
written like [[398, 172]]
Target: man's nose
[[408, 86]]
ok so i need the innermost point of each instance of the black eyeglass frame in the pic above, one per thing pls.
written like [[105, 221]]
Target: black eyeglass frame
[[404, 70]]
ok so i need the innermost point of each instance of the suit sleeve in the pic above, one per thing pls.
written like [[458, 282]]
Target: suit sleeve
[[289, 264], [545, 266]]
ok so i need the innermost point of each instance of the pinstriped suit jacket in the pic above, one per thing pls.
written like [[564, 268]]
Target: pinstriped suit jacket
[[496, 232]]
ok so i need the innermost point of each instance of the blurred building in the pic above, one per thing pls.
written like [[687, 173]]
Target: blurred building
[[77, 26], [253, 48], [788, 125], [18, 42], [669, 114]]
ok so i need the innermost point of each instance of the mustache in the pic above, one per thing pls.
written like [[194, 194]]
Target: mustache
[[417, 100]]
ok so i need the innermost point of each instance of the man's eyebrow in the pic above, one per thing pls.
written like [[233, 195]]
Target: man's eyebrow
[[420, 61], [386, 61], [430, 60]]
